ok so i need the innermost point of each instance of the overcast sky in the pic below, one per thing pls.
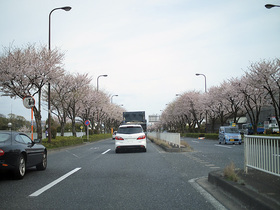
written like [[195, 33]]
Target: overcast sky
[[150, 49]]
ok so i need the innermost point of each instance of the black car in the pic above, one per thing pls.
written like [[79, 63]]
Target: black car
[[18, 152]]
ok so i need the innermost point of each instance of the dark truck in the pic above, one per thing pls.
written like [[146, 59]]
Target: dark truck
[[135, 118]]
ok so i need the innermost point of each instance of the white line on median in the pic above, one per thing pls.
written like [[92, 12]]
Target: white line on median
[[106, 151], [38, 192]]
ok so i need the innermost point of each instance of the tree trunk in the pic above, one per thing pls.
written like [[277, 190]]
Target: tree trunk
[[38, 119], [74, 127]]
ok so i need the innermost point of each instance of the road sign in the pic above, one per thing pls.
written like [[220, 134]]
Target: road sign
[[28, 102], [87, 122]]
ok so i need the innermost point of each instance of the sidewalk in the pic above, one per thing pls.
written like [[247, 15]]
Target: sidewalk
[[256, 190]]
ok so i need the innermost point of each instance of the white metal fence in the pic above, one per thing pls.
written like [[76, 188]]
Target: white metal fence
[[262, 153], [173, 138]]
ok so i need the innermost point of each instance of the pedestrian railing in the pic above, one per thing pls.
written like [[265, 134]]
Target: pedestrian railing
[[173, 138], [262, 153]]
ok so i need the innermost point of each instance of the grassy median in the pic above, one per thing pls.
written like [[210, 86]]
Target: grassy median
[[63, 141]]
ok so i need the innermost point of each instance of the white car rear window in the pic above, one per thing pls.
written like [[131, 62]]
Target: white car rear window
[[130, 130]]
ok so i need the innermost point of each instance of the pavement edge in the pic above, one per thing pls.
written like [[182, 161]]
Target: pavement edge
[[249, 197]]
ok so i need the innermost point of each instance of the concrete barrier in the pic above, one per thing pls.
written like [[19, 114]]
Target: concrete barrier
[[172, 138]]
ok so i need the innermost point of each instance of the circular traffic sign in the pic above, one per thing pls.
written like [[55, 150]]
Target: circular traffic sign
[[28, 102], [87, 122]]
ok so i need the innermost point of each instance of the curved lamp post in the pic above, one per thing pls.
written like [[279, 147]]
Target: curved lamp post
[[205, 92], [49, 85], [204, 78], [97, 86], [112, 98], [269, 6]]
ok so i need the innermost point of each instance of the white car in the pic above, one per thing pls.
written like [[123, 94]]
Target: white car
[[130, 137]]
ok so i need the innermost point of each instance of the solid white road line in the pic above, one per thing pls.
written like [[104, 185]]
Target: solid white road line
[[106, 151], [206, 195], [218, 145], [40, 191], [195, 141]]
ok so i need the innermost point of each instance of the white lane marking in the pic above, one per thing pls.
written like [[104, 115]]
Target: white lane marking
[[43, 189], [218, 145], [106, 151], [215, 167], [72, 154], [208, 165], [195, 141], [206, 195]]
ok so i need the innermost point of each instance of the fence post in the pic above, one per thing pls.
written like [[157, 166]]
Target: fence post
[[245, 154]]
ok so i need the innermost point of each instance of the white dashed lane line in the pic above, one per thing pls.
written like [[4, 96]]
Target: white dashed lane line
[[106, 151], [40, 191]]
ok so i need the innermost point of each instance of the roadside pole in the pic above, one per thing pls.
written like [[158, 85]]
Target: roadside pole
[[87, 123], [29, 103]]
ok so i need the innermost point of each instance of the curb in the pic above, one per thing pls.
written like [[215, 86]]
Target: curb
[[250, 198], [174, 149]]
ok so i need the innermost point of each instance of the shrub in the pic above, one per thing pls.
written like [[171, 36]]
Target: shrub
[[62, 141], [96, 137], [53, 132], [229, 172], [213, 136]]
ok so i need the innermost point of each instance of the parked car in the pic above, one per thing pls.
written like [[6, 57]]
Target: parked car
[[18, 152], [114, 135], [229, 135], [130, 137]]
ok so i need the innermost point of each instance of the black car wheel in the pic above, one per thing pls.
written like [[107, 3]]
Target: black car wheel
[[20, 167], [43, 165]]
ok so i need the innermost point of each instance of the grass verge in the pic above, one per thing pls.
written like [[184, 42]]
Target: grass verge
[[63, 141], [230, 172]]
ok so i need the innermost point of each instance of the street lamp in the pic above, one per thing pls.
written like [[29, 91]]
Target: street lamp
[[105, 75], [269, 6], [205, 92], [204, 78], [49, 85], [112, 98], [97, 88]]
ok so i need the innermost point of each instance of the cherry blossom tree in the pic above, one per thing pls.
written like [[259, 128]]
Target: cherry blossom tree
[[214, 104], [25, 71], [253, 98], [266, 75], [60, 93], [77, 93]]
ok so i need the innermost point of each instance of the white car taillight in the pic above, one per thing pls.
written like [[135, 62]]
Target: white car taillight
[[118, 138]]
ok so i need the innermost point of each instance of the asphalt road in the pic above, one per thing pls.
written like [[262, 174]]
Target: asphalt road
[[93, 176]]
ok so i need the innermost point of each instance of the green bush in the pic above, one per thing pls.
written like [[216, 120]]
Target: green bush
[[213, 136], [62, 141], [53, 132], [96, 137]]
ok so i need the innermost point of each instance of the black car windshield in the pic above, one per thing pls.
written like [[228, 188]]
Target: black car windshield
[[231, 130], [4, 137], [130, 130]]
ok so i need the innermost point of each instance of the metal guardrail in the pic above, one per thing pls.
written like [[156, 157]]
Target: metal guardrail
[[262, 153], [173, 138]]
